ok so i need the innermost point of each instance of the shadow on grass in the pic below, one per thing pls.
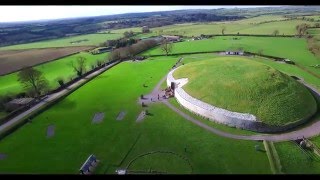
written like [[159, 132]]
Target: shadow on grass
[[66, 104]]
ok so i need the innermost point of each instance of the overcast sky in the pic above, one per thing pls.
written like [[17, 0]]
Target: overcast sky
[[26, 13]]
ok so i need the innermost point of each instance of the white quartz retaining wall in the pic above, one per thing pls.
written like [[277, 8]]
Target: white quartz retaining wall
[[233, 119]]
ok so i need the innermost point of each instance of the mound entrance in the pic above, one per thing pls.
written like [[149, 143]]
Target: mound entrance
[[238, 84]]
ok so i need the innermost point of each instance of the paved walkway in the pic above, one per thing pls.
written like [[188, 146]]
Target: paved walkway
[[14, 121], [307, 132], [153, 96]]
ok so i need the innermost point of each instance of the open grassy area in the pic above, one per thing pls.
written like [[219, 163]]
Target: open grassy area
[[51, 70], [83, 40], [241, 85], [295, 48], [114, 91], [246, 26]]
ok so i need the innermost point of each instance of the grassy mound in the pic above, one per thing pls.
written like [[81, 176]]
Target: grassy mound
[[242, 85]]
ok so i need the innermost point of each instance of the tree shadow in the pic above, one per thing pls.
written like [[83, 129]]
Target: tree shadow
[[66, 104]]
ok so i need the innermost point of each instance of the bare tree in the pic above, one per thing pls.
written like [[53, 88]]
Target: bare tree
[[166, 46], [114, 55], [302, 29], [275, 32], [33, 81], [223, 29], [80, 66]]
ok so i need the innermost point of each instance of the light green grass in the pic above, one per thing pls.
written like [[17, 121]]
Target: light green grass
[[115, 90], [241, 85], [233, 27], [292, 48], [51, 70], [93, 40]]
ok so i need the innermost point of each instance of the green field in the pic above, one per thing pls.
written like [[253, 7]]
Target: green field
[[111, 139], [295, 161], [51, 70], [294, 49], [241, 85], [246, 26], [92, 40]]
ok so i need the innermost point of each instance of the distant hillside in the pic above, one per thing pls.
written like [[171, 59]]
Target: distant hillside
[[25, 32]]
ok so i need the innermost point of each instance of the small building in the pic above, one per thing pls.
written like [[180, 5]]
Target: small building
[[101, 50], [139, 58], [241, 53], [172, 38], [18, 103], [288, 61], [145, 29], [121, 171]]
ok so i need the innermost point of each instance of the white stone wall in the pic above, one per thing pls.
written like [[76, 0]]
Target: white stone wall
[[233, 119]]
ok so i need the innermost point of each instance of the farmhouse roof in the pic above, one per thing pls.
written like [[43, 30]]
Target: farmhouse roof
[[171, 37]]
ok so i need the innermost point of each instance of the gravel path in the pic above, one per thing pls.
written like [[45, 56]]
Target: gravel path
[[153, 96]]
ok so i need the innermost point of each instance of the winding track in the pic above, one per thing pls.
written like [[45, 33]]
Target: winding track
[[307, 132]]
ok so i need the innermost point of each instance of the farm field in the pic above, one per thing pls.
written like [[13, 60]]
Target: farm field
[[246, 26], [111, 140], [238, 84], [11, 61], [81, 40], [51, 70], [296, 49]]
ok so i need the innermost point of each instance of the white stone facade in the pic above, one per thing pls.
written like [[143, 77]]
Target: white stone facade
[[223, 116]]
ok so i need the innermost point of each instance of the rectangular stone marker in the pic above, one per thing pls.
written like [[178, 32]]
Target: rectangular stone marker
[[2, 156], [141, 116], [98, 117], [50, 131], [121, 115]]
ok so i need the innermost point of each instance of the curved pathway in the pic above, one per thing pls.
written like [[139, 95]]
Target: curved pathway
[[306, 132]]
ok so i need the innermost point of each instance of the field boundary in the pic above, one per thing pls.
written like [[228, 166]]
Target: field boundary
[[55, 59], [273, 157]]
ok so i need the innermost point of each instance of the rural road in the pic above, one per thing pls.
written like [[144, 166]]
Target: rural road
[[307, 132], [12, 122]]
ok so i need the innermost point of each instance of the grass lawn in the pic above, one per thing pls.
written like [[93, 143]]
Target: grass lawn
[[294, 160], [245, 26], [51, 70], [90, 40], [295, 48], [118, 90], [241, 85]]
